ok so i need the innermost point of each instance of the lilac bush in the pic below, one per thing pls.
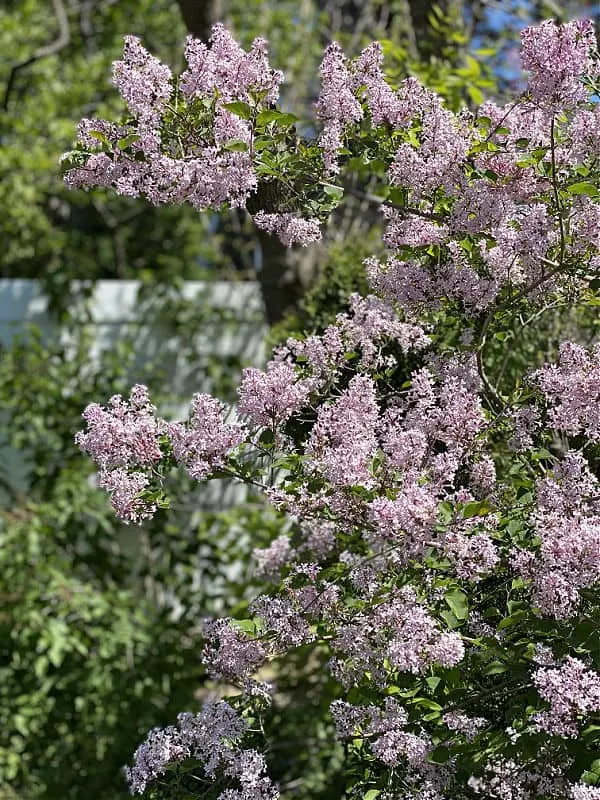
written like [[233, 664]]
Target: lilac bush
[[443, 551]]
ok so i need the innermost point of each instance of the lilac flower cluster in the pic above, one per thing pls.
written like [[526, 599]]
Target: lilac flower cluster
[[195, 168], [230, 654], [571, 389], [211, 737], [343, 442], [336, 106], [202, 443], [567, 521], [127, 441], [507, 779], [290, 228], [468, 726], [124, 441], [272, 397], [557, 56], [399, 632], [572, 690], [385, 727], [226, 69]]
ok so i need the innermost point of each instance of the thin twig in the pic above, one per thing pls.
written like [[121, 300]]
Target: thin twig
[[372, 198], [63, 39]]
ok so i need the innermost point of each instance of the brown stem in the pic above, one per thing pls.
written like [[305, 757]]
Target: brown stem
[[63, 39]]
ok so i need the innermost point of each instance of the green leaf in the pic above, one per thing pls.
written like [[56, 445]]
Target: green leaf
[[236, 146], [583, 187], [458, 602], [245, 625], [495, 668], [242, 110], [440, 755], [124, 143], [372, 794], [101, 137], [475, 508], [272, 115], [476, 95], [336, 192]]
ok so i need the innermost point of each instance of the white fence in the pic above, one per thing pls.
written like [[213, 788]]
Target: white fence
[[228, 320]]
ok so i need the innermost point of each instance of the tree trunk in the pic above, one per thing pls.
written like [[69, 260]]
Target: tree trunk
[[200, 15]]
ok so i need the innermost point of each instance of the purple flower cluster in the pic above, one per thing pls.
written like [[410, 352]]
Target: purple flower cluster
[[272, 397], [572, 690], [127, 441], [571, 389], [343, 443], [125, 434], [199, 170], [556, 57], [143, 82], [337, 105], [290, 228], [230, 654], [398, 632], [567, 522], [462, 723], [211, 737], [202, 444], [227, 70], [124, 441]]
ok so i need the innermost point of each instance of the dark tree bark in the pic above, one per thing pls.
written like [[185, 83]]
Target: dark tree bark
[[200, 15]]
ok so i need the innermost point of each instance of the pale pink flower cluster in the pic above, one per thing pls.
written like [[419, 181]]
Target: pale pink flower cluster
[[336, 105], [438, 161], [385, 105], [556, 57], [572, 690], [270, 560], [399, 632], [227, 70], [124, 441], [343, 442], [462, 723], [507, 779], [366, 329], [213, 737], [474, 555], [283, 618], [127, 440], [229, 653], [143, 82], [411, 231], [414, 286], [290, 228], [270, 398], [201, 444], [571, 390], [567, 522], [125, 433], [385, 729], [126, 494], [582, 791], [200, 170]]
